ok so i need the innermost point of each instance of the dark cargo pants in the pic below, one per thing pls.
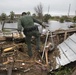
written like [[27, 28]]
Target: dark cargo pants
[[29, 35]]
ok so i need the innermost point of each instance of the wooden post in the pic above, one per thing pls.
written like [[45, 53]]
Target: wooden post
[[10, 66], [57, 38], [65, 35], [46, 54], [9, 71]]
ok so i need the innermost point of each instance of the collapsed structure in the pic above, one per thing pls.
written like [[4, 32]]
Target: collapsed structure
[[14, 58]]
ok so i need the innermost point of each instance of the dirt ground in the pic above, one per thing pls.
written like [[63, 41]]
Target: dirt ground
[[22, 63]]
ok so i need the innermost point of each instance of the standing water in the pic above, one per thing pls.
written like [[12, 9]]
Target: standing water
[[53, 25]]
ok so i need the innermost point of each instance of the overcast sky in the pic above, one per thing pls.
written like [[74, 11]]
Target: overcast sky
[[57, 7]]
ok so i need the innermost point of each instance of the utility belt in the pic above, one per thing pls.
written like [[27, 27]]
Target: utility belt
[[30, 29]]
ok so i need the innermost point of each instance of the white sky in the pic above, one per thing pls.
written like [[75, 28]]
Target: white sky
[[57, 7]]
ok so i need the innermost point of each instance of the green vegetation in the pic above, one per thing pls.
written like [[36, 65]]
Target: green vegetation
[[61, 19], [74, 19], [66, 71], [39, 15], [12, 15], [28, 13], [46, 17], [65, 18], [63, 71], [3, 16]]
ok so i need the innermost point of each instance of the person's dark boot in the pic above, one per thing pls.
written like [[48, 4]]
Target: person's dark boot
[[38, 50], [30, 53]]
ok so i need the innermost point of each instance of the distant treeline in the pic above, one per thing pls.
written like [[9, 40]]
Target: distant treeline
[[45, 17]]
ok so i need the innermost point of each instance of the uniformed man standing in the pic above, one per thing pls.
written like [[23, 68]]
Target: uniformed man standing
[[29, 30]]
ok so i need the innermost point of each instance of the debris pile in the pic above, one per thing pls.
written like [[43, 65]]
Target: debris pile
[[14, 56]]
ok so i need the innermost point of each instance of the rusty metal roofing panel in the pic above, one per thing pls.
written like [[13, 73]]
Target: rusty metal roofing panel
[[67, 50]]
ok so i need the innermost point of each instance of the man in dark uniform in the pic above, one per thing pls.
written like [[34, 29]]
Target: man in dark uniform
[[29, 30]]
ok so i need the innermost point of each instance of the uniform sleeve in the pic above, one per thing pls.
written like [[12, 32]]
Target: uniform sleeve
[[37, 21], [19, 25]]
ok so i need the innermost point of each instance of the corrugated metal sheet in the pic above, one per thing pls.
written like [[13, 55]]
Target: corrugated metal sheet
[[67, 51]]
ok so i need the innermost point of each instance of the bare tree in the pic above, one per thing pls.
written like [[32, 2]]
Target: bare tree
[[39, 11]]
